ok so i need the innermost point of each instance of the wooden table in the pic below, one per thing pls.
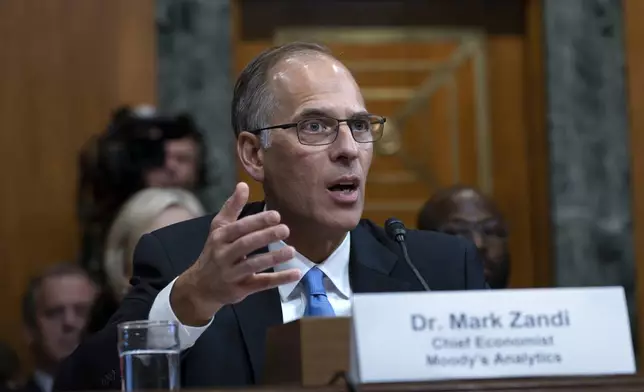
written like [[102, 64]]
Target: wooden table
[[552, 384]]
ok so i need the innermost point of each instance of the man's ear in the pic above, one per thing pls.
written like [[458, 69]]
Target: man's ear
[[251, 155]]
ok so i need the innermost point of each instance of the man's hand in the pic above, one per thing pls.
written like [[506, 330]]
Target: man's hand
[[223, 274]]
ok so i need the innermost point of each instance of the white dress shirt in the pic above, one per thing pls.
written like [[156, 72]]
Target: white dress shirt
[[44, 380], [292, 295]]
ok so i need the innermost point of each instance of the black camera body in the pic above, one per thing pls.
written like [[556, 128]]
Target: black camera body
[[136, 143]]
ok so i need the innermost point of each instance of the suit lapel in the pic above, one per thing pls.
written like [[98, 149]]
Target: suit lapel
[[257, 312], [371, 264], [32, 386], [370, 267], [252, 209]]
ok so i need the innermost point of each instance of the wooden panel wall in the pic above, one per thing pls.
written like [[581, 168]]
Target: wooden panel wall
[[634, 33], [537, 145], [64, 65]]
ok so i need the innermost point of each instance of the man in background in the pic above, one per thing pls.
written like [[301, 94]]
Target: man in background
[[55, 310], [466, 212], [139, 149], [9, 367], [181, 166]]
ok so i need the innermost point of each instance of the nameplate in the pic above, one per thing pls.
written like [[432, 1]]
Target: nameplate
[[490, 334]]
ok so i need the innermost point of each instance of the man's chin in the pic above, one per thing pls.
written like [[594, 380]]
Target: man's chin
[[343, 220], [66, 351]]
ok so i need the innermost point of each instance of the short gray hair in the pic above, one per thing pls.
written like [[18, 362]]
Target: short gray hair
[[34, 285], [253, 100]]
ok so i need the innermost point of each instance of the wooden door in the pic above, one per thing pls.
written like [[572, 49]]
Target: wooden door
[[456, 81]]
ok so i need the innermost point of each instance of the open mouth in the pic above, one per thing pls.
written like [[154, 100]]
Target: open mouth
[[345, 185], [345, 188]]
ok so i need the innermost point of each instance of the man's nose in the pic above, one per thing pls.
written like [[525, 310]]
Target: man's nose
[[345, 146], [479, 240], [171, 163], [72, 321]]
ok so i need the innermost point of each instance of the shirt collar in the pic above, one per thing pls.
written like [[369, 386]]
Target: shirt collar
[[335, 267], [44, 380]]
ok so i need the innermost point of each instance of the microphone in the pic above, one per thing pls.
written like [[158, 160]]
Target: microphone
[[397, 231]]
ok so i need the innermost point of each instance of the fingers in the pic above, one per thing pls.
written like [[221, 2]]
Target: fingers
[[247, 225], [255, 240], [259, 263], [270, 280], [232, 207]]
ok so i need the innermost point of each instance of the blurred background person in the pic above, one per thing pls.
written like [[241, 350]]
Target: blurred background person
[[466, 212], [147, 210], [9, 368], [139, 149], [55, 308]]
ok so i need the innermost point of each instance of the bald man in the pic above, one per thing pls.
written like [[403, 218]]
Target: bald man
[[303, 132], [466, 212]]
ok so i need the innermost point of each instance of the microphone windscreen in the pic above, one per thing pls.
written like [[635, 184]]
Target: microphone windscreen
[[394, 227]]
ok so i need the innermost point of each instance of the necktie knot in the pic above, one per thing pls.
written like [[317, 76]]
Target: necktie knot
[[317, 302], [314, 282]]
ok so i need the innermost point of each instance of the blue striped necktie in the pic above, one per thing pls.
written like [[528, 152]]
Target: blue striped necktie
[[317, 303]]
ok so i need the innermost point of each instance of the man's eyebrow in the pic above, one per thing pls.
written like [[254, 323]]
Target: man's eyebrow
[[361, 113], [458, 221], [480, 222], [313, 113], [321, 112]]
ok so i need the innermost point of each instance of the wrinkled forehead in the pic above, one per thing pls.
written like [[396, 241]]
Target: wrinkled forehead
[[64, 289], [183, 144], [314, 82]]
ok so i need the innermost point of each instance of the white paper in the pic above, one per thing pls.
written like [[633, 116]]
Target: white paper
[[491, 334]]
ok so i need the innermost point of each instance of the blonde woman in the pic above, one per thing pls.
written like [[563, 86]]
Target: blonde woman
[[146, 211]]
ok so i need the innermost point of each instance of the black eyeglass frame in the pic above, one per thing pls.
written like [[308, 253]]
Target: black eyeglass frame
[[379, 120], [468, 230]]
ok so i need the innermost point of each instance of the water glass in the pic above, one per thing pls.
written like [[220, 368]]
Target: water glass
[[150, 355]]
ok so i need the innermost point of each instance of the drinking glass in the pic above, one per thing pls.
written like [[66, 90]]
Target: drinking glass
[[150, 355]]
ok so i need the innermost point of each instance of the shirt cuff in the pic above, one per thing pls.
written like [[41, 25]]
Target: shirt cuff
[[162, 311]]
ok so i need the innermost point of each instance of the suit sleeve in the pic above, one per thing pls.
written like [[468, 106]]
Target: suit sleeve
[[474, 273], [94, 365]]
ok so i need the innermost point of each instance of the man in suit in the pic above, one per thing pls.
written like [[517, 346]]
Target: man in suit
[[465, 211], [302, 131], [9, 367], [55, 309]]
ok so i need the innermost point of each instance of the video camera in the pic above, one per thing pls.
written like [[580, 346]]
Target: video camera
[[135, 142]]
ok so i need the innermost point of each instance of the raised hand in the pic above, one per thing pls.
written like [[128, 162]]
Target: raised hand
[[223, 274]]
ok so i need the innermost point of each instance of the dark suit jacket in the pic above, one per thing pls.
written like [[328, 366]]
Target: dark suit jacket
[[231, 351], [30, 386]]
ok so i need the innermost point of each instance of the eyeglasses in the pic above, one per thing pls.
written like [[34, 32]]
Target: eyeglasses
[[320, 131], [489, 230]]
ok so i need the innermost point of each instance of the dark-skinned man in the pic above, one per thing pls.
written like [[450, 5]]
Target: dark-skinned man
[[464, 211]]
